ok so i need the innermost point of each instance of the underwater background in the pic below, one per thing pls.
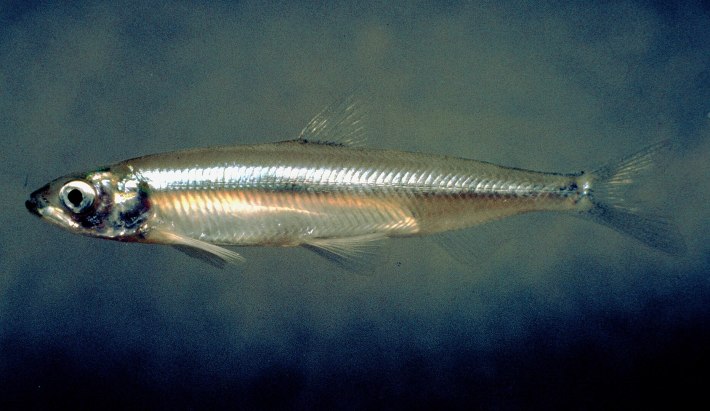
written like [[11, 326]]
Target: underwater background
[[535, 311]]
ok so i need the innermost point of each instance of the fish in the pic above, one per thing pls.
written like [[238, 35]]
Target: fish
[[326, 191]]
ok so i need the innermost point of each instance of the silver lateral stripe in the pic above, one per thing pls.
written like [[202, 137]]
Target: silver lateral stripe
[[279, 178]]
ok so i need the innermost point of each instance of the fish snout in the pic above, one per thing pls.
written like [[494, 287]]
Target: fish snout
[[37, 201], [32, 206]]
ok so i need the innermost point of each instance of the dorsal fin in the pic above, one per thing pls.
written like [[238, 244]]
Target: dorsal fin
[[341, 123]]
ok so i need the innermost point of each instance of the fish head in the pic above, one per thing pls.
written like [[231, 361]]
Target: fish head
[[103, 204]]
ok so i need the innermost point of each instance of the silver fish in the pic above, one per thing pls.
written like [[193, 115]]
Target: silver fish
[[329, 195]]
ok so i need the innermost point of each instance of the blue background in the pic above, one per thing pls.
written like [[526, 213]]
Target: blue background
[[538, 310]]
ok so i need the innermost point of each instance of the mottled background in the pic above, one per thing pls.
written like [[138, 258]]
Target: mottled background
[[545, 310]]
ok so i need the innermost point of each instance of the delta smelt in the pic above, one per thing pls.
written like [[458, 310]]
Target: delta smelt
[[327, 193]]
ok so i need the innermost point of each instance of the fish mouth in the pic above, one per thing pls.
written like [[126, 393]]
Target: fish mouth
[[37, 202], [32, 206], [50, 214]]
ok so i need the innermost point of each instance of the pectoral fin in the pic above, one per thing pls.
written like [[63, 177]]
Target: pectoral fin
[[210, 253]]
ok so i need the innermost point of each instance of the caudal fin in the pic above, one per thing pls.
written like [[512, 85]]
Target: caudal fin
[[615, 207]]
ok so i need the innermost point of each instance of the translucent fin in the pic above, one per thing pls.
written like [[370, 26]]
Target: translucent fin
[[339, 123], [480, 244], [201, 255], [615, 207], [352, 253], [653, 230], [210, 253]]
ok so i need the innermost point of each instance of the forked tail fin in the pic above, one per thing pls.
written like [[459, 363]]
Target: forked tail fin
[[615, 207]]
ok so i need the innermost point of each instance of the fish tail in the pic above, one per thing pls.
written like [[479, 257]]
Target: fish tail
[[613, 204]]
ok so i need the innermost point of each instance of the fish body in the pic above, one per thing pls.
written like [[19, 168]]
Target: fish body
[[290, 192], [327, 196]]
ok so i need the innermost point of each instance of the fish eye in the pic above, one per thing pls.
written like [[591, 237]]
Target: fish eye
[[77, 196]]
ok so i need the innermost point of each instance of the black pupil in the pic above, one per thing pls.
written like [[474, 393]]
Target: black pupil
[[75, 197]]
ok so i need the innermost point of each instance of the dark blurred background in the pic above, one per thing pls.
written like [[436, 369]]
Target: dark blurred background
[[547, 311]]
